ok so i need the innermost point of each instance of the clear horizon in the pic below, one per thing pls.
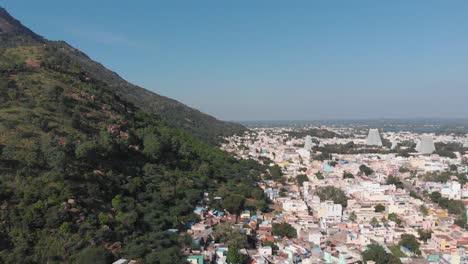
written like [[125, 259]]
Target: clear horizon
[[269, 60]]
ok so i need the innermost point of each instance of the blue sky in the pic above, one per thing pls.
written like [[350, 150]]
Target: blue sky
[[276, 60]]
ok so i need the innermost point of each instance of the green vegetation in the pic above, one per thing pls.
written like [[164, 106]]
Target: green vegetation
[[66, 58], [284, 230], [394, 217], [395, 181], [424, 235], [448, 149], [225, 233], [379, 208], [410, 242], [453, 167], [234, 256], [405, 148], [87, 177], [365, 170], [314, 132], [424, 210], [275, 173], [301, 178], [435, 196], [348, 148], [319, 176], [375, 252], [443, 177], [415, 195], [403, 170], [462, 220], [396, 251], [347, 175], [374, 222], [453, 206], [333, 194], [352, 216]]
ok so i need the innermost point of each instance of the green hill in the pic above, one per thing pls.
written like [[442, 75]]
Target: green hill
[[174, 113], [87, 173]]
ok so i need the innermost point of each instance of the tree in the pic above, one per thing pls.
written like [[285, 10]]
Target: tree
[[424, 210], [76, 118], [234, 203], [435, 196], [410, 242], [394, 217], [275, 172], [93, 255], [87, 150], [165, 256], [54, 92], [301, 178], [379, 208], [453, 167], [414, 195], [151, 146], [395, 181], [284, 230], [424, 235], [374, 222], [375, 252], [347, 175], [319, 176], [332, 193], [403, 170], [352, 216], [462, 220], [234, 256], [365, 170], [225, 233], [392, 259]]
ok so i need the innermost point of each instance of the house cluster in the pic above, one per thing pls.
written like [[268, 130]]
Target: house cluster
[[335, 225]]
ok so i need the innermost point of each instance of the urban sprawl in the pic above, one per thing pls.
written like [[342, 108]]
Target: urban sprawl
[[340, 195]]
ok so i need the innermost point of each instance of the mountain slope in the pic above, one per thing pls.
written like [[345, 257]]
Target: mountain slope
[[174, 113], [13, 33], [88, 177]]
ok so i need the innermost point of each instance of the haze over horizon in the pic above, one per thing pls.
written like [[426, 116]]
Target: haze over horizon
[[276, 61]]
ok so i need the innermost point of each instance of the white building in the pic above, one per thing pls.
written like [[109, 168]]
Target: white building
[[373, 139]]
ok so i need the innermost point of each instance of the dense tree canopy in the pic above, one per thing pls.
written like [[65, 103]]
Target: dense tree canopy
[[284, 230], [88, 177], [376, 253], [410, 242]]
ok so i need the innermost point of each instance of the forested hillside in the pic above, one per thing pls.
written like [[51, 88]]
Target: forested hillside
[[209, 129], [87, 176]]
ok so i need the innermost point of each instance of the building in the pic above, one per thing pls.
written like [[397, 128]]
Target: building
[[373, 139], [308, 144], [330, 211], [195, 259], [443, 242], [426, 145]]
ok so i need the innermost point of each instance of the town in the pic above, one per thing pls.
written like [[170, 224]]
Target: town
[[344, 195]]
